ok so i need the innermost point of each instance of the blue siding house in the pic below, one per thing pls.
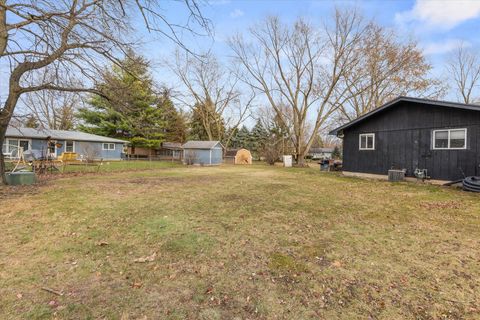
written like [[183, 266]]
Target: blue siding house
[[55, 142], [208, 153]]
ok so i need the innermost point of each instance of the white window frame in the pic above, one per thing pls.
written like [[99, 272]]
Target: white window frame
[[448, 139], [360, 141], [17, 147], [108, 146], [73, 145]]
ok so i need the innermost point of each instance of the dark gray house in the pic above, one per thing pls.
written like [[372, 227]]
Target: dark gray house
[[203, 153], [411, 133]]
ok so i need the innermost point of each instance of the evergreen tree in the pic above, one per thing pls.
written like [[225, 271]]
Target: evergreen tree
[[206, 124], [131, 111], [175, 122], [241, 139], [259, 136], [244, 138], [234, 141]]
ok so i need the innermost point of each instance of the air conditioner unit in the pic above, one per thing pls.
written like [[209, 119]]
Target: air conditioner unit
[[396, 175]]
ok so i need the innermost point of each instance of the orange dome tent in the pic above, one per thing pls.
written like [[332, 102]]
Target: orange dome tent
[[243, 156]]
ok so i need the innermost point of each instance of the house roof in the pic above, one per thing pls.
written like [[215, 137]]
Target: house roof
[[201, 144], [231, 152], [406, 99], [172, 145], [57, 135], [319, 150]]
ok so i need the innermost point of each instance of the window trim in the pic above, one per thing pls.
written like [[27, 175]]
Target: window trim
[[360, 141], [29, 143], [108, 146], [448, 139], [73, 145], [17, 146]]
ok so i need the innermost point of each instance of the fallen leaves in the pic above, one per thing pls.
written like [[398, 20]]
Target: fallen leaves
[[209, 290], [336, 264]]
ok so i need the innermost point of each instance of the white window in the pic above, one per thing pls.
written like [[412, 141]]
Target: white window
[[108, 146], [69, 146], [449, 139], [367, 141], [12, 147]]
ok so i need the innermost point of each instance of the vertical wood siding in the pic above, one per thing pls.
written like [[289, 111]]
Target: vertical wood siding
[[403, 140]]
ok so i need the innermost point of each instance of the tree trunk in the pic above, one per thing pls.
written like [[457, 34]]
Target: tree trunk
[[3, 28], [3, 179], [301, 159], [300, 152], [5, 117]]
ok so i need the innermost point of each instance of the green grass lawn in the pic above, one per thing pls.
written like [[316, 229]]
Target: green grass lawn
[[236, 242]]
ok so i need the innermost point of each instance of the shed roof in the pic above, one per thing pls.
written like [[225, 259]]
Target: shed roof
[[201, 144], [57, 135], [406, 99]]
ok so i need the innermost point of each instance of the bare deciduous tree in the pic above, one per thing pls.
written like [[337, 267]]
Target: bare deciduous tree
[[52, 109], [213, 90], [386, 69], [73, 39], [464, 68], [301, 67], [277, 140]]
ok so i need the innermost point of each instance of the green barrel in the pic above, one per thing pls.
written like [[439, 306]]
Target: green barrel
[[19, 178]]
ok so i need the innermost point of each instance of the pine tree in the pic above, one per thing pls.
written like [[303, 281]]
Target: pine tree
[[131, 111], [175, 122], [259, 136], [234, 141], [244, 138], [206, 124]]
